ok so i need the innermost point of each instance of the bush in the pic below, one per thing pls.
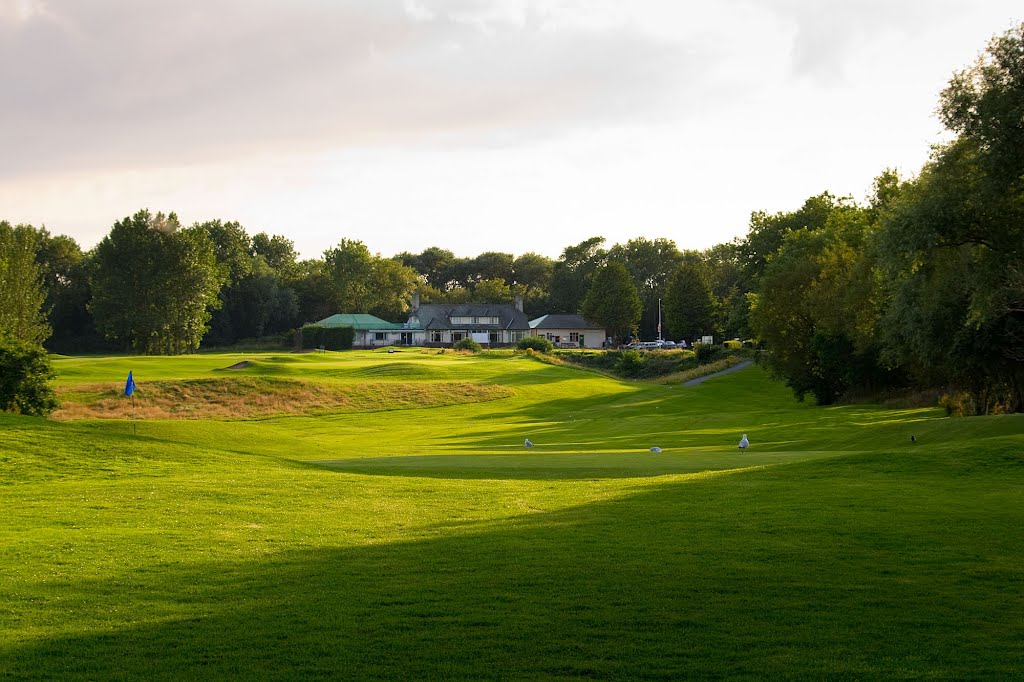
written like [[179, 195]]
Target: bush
[[707, 352], [630, 364], [331, 338], [467, 344], [24, 371], [732, 344], [537, 343]]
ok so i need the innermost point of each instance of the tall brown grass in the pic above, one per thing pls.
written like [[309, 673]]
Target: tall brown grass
[[247, 398]]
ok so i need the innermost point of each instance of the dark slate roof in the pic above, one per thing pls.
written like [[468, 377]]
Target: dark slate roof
[[563, 322], [438, 316]]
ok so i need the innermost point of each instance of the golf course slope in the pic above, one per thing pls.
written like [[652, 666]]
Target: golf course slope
[[418, 539]]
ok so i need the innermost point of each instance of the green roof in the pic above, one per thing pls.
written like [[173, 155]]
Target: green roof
[[358, 321]]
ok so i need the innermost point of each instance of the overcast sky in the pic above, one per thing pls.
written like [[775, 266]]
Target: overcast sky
[[474, 125]]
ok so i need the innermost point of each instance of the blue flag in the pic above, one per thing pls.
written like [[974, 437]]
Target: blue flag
[[129, 386]]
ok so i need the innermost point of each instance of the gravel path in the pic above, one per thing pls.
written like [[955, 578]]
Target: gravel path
[[734, 368]]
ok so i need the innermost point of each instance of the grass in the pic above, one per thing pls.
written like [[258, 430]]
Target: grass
[[425, 543], [256, 397]]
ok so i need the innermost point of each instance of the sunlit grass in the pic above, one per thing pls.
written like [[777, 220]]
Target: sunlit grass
[[426, 542]]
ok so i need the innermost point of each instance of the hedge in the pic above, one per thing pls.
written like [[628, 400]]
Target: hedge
[[331, 338]]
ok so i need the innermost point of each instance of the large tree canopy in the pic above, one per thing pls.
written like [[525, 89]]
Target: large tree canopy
[[154, 284], [613, 301], [690, 303]]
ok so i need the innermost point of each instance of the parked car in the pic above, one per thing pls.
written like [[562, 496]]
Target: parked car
[[668, 345]]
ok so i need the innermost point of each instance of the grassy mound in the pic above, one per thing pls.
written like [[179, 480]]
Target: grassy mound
[[252, 397]]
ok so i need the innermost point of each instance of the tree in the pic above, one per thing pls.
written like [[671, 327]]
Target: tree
[[613, 301], [493, 265], [314, 290], [63, 268], [767, 231], [983, 105], [348, 267], [432, 264], [24, 375], [533, 273], [154, 284], [690, 303], [953, 240], [650, 263], [392, 285], [729, 288], [492, 291], [279, 253], [818, 309], [572, 274], [21, 286], [232, 248]]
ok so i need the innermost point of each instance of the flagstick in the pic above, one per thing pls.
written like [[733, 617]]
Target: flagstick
[[134, 431]]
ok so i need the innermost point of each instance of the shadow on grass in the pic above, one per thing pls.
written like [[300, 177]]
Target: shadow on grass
[[556, 466], [761, 574]]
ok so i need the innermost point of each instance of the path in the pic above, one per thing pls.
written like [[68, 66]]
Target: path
[[734, 368]]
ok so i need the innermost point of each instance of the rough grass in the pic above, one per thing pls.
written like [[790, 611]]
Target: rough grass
[[255, 397]]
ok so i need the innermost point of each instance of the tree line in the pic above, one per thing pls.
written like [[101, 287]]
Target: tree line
[[154, 286], [920, 285]]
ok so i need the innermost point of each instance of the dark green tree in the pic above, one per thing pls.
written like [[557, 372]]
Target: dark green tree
[[613, 301], [689, 306], [572, 274], [493, 265], [953, 240], [650, 263]]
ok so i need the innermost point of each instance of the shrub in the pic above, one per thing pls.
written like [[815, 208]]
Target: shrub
[[707, 352], [331, 338], [467, 344], [537, 343], [732, 344], [630, 363], [24, 371]]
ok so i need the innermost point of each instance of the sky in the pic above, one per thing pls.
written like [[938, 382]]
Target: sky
[[473, 125]]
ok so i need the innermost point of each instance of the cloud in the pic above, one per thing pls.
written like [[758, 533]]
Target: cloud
[[110, 84], [829, 38]]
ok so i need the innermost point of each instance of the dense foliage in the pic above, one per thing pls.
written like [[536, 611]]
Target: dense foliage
[[537, 343], [328, 338], [21, 288], [467, 344], [24, 372], [613, 301], [154, 284]]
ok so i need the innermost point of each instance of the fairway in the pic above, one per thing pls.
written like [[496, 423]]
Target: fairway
[[404, 531]]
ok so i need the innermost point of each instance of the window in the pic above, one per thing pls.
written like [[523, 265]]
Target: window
[[435, 337], [380, 336], [517, 336], [457, 336], [574, 336]]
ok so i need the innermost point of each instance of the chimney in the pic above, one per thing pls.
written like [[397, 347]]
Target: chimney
[[415, 301], [519, 303]]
